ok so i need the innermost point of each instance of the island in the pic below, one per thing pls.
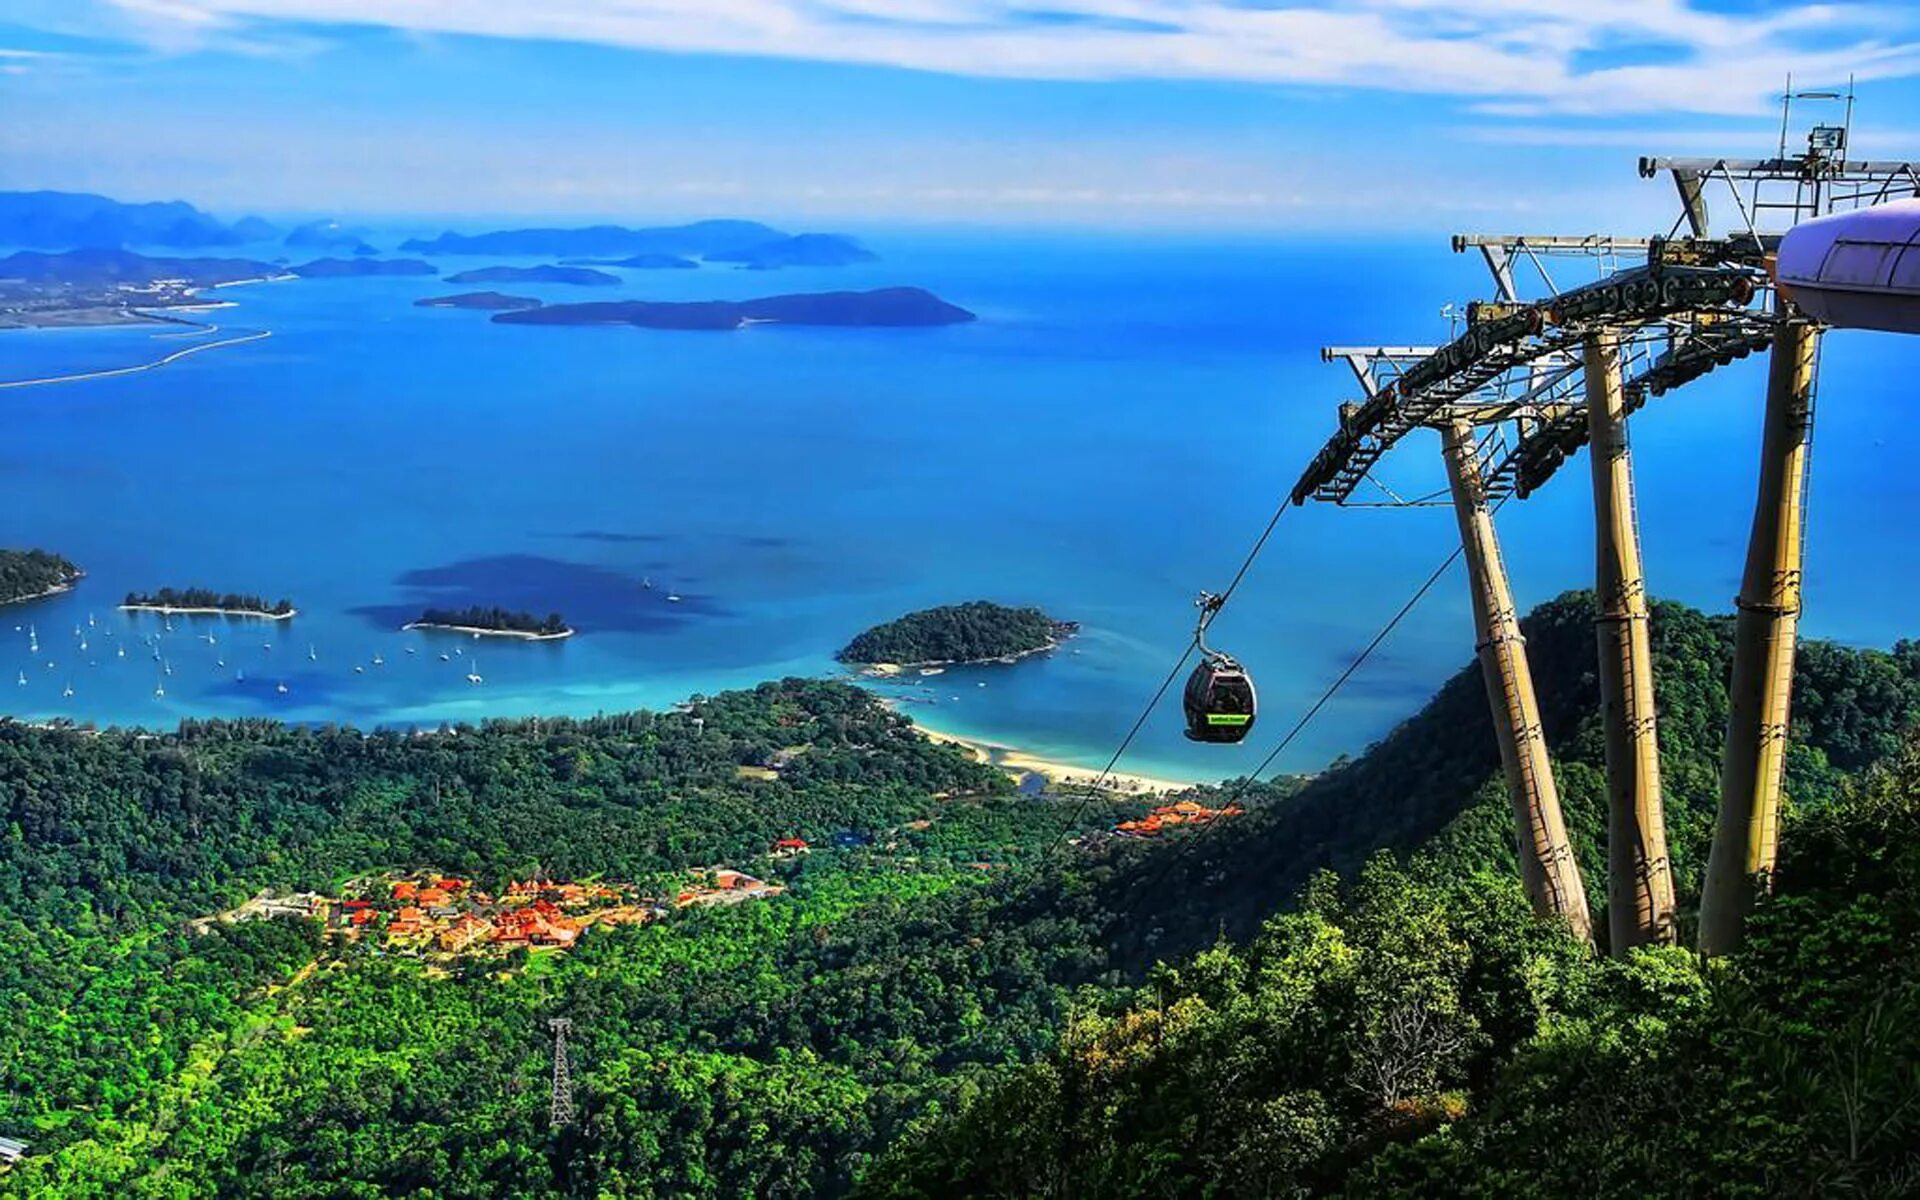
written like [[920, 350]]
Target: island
[[488, 301], [342, 268], [902, 306], [978, 631], [31, 574], [329, 235], [802, 250], [639, 262], [206, 601], [109, 287], [493, 622], [698, 239], [583, 276], [63, 219]]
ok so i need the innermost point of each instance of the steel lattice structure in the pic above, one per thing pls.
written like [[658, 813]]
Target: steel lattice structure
[[1521, 389]]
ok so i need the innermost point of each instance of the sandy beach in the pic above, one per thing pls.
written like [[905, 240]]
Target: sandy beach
[[169, 610], [1019, 762], [525, 635]]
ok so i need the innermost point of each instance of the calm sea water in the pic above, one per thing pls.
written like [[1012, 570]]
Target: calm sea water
[[1104, 442]]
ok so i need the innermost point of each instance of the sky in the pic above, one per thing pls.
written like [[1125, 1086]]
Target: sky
[[1195, 115]]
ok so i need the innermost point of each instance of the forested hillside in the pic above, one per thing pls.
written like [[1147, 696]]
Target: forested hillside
[[937, 938], [1434, 778], [1419, 1033]]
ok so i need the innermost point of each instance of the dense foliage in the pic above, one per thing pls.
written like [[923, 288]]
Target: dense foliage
[[1412, 1031], [976, 631], [495, 618], [25, 574], [198, 597], [1422, 1035], [1434, 779]]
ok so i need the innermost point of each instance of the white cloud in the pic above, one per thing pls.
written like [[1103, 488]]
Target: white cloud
[[1511, 57]]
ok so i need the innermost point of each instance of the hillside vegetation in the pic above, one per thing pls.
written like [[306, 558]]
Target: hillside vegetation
[[1420, 1034], [948, 1001], [25, 574]]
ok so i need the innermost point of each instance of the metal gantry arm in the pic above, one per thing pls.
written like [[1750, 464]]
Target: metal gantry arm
[[1500, 251]]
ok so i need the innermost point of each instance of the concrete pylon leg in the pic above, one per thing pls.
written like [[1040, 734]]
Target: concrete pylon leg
[[1746, 833], [1547, 868], [1639, 878]]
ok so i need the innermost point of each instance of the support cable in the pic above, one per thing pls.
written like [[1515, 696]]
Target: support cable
[[1190, 844], [1210, 609]]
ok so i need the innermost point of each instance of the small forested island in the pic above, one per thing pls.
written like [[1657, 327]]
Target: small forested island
[[975, 632], [582, 276], [494, 621], [206, 600], [900, 306], [30, 574], [486, 301], [342, 268]]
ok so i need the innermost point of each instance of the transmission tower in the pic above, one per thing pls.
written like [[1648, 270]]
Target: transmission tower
[[561, 1114]]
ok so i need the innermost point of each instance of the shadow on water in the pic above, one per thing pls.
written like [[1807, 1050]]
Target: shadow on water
[[261, 688], [590, 597]]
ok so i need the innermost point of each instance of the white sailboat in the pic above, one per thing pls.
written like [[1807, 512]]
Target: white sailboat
[[473, 673], [68, 693], [23, 679]]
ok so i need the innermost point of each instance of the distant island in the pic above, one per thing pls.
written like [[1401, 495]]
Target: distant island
[[107, 266], [329, 235], [701, 239], [68, 219], [103, 286], [976, 632], [341, 268], [493, 622], [584, 276], [31, 574], [487, 301], [205, 600], [643, 262], [905, 306], [802, 250]]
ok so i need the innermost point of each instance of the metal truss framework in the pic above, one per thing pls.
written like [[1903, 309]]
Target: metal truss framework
[[1510, 396]]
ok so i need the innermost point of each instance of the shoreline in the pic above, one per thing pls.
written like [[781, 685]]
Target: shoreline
[[169, 610], [1016, 761], [56, 590], [480, 631], [891, 669]]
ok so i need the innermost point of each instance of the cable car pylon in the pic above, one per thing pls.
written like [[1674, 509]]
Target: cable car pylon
[[1639, 877], [1746, 832], [1526, 384], [1547, 867]]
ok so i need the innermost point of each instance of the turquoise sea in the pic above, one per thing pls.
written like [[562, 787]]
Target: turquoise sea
[[1104, 442]]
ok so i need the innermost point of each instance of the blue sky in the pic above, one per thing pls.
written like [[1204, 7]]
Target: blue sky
[[1228, 115]]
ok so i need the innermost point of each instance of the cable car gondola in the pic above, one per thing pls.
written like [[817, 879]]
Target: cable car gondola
[[1220, 701]]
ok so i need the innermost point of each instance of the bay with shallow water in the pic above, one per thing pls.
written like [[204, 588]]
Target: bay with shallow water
[[1105, 441]]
